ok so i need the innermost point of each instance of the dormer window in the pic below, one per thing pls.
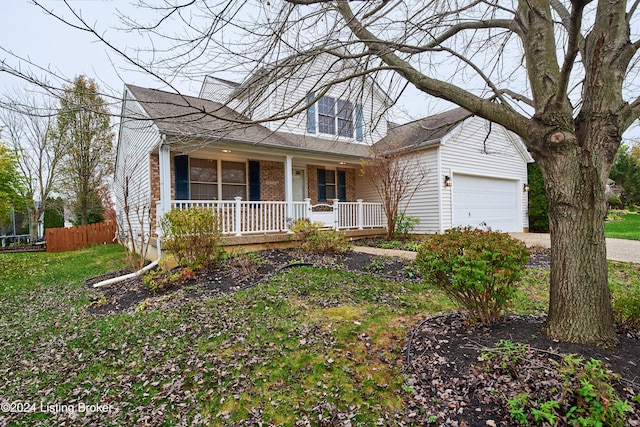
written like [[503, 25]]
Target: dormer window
[[334, 117]]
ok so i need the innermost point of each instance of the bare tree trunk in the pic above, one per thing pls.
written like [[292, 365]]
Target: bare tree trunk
[[579, 306]]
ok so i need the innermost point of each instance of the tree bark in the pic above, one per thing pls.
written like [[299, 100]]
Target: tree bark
[[575, 168]]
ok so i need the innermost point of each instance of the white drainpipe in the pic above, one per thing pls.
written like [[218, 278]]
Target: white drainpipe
[[126, 276]]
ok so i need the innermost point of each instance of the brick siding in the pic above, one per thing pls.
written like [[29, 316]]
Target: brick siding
[[271, 180]]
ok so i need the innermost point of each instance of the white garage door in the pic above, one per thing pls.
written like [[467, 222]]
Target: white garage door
[[478, 200]]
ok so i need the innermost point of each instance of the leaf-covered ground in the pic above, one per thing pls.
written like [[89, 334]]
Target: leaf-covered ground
[[305, 346]]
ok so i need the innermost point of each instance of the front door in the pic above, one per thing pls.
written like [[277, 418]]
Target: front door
[[298, 185]]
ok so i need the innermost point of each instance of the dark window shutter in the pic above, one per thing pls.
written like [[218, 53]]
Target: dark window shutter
[[254, 180], [342, 186], [358, 120], [311, 113], [181, 166], [322, 186]]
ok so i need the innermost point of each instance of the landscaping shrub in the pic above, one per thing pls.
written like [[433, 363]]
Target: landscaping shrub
[[614, 201], [586, 397], [538, 215], [626, 309], [405, 224], [476, 268], [161, 278], [193, 236], [615, 215], [317, 240]]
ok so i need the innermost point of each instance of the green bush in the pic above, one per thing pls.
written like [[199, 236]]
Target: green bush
[[586, 397], [614, 201], [316, 240], [193, 236], [615, 215], [405, 224], [478, 269], [626, 310], [538, 214]]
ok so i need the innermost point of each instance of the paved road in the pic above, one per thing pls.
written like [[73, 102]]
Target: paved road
[[617, 249]]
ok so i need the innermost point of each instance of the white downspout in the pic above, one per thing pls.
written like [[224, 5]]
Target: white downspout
[[127, 276]]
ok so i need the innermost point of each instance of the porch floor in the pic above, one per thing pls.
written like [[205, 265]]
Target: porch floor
[[253, 242]]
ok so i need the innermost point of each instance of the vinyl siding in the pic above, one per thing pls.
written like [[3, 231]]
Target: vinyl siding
[[215, 90], [136, 141], [287, 94], [424, 204], [479, 148]]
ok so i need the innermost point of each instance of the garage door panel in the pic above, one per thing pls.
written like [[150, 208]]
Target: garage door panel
[[481, 200]]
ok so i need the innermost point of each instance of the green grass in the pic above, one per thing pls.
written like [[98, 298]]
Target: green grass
[[310, 344], [627, 228]]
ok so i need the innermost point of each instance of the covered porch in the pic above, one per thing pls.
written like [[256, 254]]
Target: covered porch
[[260, 190], [239, 217]]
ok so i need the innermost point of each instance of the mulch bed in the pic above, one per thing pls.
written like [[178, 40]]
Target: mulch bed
[[447, 379], [231, 276], [451, 383]]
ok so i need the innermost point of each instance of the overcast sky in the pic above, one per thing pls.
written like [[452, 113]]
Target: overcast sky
[[27, 31]]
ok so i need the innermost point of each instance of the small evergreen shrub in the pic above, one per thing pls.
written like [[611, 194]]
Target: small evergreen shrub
[[316, 240], [193, 236], [476, 268]]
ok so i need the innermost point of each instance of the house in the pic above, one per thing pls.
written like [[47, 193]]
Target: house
[[478, 172], [287, 143]]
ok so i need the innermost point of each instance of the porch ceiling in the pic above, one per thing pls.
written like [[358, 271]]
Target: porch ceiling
[[228, 150]]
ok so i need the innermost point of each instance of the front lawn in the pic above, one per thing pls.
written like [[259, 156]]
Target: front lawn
[[310, 346], [626, 228]]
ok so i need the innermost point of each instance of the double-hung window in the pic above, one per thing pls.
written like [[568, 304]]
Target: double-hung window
[[332, 184], [345, 118], [234, 180], [209, 179], [327, 115], [333, 116], [203, 177]]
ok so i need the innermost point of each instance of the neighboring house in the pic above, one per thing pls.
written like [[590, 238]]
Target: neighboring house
[[223, 150]]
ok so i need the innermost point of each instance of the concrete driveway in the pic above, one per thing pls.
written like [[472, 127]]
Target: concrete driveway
[[617, 249]]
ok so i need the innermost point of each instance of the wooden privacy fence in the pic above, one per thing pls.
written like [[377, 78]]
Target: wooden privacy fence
[[82, 236]]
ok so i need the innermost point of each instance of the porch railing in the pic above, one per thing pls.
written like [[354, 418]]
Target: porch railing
[[240, 217]]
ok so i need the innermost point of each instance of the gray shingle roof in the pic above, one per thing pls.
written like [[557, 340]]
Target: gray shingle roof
[[200, 118], [423, 132]]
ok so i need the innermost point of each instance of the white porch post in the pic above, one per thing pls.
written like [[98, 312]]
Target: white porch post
[[165, 179], [288, 185], [307, 208], [238, 216], [164, 206], [360, 215], [336, 214]]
